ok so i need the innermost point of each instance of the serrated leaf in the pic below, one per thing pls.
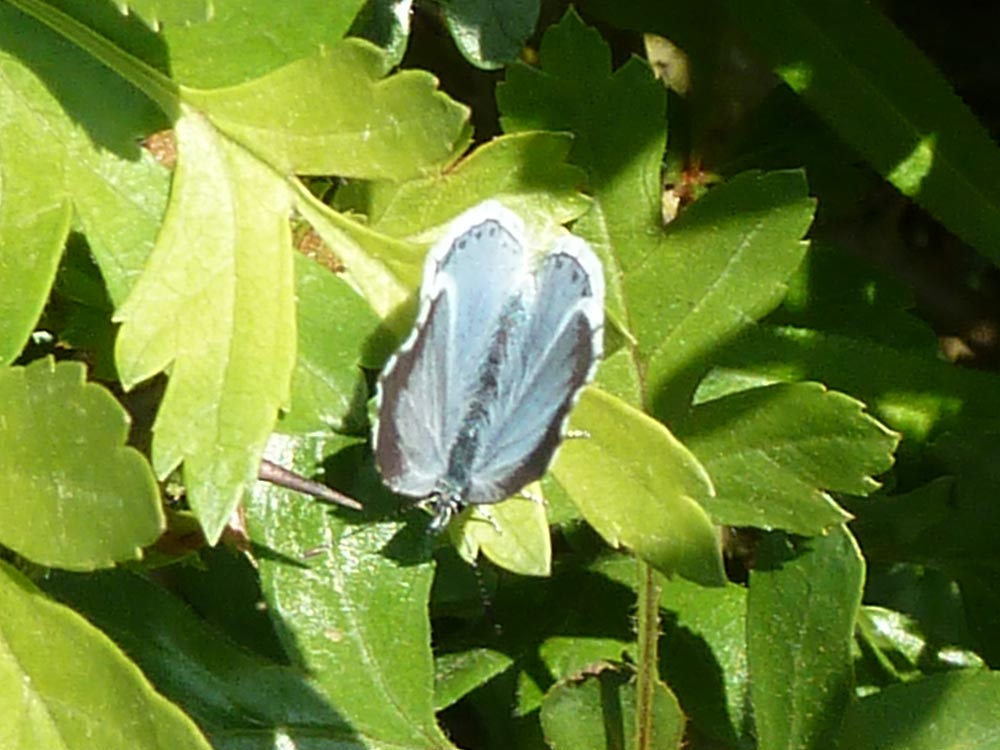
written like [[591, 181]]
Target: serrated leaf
[[910, 392], [526, 172], [74, 495], [904, 117], [52, 111], [738, 246], [216, 306], [724, 263], [490, 33], [640, 488], [333, 323], [801, 610], [353, 607], [337, 113], [943, 712], [774, 452], [63, 684], [596, 711]]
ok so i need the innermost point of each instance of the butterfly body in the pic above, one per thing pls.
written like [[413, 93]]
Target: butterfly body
[[472, 406]]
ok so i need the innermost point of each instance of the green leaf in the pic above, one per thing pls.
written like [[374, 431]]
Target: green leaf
[[527, 173], [802, 606], [333, 323], [234, 695], [490, 33], [338, 113], [617, 120], [773, 452], [53, 111], [955, 710], [216, 306], [461, 672], [386, 24], [910, 392], [596, 711], [903, 651], [63, 684], [514, 534], [352, 602], [73, 496], [737, 247], [703, 657], [904, 117], [640, 488], [157, 12]]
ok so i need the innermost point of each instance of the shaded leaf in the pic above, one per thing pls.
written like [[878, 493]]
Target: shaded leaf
[[801, 610], [65, 685], [386, 24], [333, 323], [457, 674], [954, 710], [596, 711], [53, 111], [74, 495], [234, 695], [904, 118], [490, 33], [773, 452], [703, 657]]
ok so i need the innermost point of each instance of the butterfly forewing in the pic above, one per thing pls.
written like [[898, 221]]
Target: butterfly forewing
[[425, 389], [410, 446]]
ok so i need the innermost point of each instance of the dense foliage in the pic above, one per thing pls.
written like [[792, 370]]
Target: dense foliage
[[774, 525]]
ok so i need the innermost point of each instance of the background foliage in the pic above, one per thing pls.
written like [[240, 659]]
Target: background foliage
[[212, 219]]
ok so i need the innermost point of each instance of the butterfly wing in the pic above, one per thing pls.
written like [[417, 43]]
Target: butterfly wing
[[541, 379], [424, 390]]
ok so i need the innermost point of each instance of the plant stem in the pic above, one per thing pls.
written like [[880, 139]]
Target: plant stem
[[647, 671]]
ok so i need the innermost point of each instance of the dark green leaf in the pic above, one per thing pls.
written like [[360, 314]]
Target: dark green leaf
[[490, 33], [63, 684], [903, 117], [954, 711], [596, 711], [801, 610]]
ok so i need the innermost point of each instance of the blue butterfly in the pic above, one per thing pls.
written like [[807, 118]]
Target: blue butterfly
[[473, 405]]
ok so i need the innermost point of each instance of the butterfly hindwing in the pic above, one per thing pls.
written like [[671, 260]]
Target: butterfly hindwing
[[554, 359]]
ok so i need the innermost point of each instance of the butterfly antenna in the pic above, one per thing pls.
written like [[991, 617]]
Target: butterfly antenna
[[489, 612]]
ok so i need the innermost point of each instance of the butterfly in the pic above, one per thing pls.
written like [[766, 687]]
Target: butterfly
[[473, 404]]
